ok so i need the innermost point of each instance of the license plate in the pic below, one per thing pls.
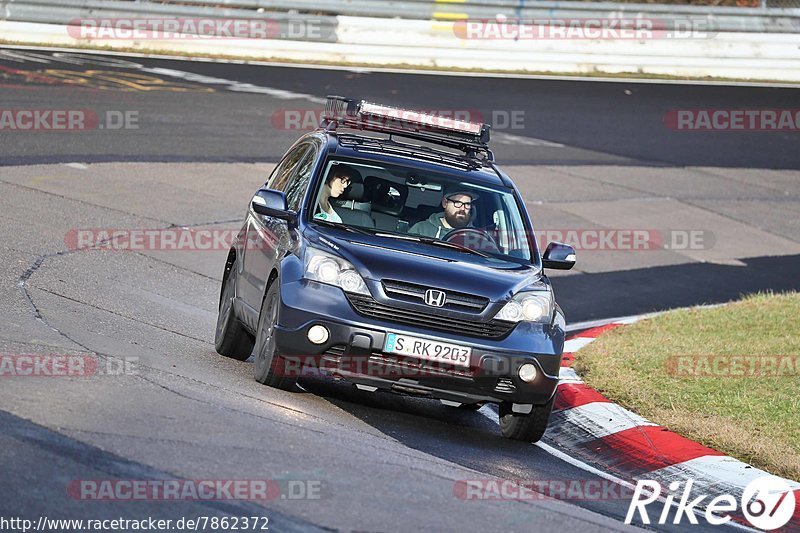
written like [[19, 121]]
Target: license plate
[[440, 352]]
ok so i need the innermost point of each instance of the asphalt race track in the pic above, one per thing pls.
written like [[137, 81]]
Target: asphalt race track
[[196, 140]]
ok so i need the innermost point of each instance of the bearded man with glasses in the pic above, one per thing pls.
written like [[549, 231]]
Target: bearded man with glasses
[[458, 204]]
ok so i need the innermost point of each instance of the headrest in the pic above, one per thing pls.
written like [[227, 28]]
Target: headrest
[[387, 196], [354, 191]]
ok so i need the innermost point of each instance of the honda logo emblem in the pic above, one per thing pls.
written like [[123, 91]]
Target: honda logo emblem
[[435, 298]]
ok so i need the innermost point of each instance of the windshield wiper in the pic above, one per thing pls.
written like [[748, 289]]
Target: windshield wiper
[[447, 244], [351, 229], [417, 238]]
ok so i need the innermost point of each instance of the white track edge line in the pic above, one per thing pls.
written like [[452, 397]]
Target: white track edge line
[[390, 70]]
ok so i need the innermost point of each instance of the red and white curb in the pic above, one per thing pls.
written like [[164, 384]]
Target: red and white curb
[[623, 443]]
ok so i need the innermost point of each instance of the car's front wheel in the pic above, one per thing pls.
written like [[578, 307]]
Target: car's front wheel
[[270, 368], [230, 338], [526, 427]]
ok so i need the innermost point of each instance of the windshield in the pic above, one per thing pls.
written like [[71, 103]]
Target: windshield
[[436, 209]]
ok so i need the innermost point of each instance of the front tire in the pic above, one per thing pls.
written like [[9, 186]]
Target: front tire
[[270, 368], [230, 338], [529, 427]]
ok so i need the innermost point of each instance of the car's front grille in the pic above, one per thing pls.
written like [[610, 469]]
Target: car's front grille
[[334, 352], [457, 301], [367, 306], [505, 385]]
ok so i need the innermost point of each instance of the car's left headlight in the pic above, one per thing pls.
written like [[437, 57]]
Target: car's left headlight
[[327, 268], [528, 306]]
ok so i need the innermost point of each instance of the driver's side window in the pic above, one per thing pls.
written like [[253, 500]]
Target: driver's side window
[[283, 172], [300, 179]]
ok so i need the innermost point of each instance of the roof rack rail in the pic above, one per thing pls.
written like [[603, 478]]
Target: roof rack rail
[[469, 137]]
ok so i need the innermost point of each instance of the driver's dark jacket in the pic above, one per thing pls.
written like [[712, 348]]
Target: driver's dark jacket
[[432, 227]]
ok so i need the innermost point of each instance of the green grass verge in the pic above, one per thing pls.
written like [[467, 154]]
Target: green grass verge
[[753, 418]]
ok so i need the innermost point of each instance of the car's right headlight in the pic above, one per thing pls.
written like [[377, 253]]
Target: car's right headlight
[[530, 306], [327, 268]]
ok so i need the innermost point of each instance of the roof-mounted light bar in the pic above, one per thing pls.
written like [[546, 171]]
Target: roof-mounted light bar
[[425, 126], [416, 118]]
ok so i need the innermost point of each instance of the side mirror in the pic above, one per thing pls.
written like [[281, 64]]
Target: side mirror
[[271, 203], [559, 256]]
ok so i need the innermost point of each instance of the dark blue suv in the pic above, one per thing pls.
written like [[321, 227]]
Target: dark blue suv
[[403, 265]]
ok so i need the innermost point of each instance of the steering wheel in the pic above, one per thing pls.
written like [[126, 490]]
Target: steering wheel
[[474, 239]]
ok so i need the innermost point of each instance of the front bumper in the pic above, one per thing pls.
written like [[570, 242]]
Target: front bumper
[[354, 351]]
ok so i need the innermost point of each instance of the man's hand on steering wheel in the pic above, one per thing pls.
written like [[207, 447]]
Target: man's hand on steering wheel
[[474, 239]]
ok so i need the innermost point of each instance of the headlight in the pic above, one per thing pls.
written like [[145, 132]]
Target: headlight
[[534, 306], [333, 270]]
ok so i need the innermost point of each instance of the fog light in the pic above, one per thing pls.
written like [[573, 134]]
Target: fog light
[[527, 372], [318, 334]]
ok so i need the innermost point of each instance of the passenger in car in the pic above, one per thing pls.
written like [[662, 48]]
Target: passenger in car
[[338, 180], [458, 204]]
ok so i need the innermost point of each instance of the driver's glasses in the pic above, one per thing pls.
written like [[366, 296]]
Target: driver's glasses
[[344, 179], [459, 205]]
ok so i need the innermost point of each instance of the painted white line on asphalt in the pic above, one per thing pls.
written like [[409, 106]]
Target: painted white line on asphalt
[[389, 70], [583, 466], [588, 324], [573, 345], [577, 326], [507, 138]]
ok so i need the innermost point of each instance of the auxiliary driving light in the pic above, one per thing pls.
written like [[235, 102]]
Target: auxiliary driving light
[[527, 372], [318, 334]]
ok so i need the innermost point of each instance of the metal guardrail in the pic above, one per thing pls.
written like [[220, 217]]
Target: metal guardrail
[[423, 42], [714, 19], [72, 11]]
